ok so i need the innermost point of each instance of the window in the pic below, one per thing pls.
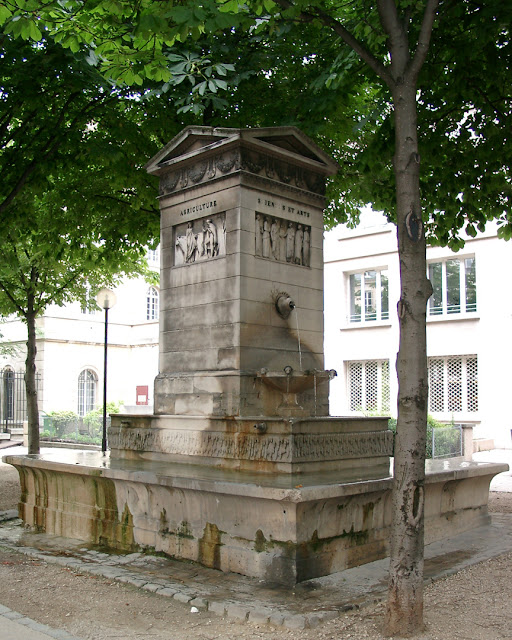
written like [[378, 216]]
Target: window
[[87, 382], [454, 287], [90, 307], [453, 384], [153, 255], [152, 304], [368, 383], [369, 298]]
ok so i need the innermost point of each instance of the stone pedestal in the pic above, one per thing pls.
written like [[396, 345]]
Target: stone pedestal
[[241, 226]]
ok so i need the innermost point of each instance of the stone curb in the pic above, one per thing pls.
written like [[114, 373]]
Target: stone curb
[[58, 634], [360, 585], [227, 608]]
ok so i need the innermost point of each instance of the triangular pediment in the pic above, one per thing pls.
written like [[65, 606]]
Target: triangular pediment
[[291, 140], [281, 141], [191, 141]]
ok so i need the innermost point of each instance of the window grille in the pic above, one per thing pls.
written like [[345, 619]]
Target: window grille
[[453, 384], [368, 383], [371, 389], [454, 375], [355, 376], [369, 298], [385, 402], [87, 381], [453, 286], [472, 383], [436, 384], [152, 304]]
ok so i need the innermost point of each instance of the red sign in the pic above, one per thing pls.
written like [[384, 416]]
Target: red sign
[[142, 394]]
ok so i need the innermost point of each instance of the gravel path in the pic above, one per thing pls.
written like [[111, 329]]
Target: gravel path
[[471, 605]]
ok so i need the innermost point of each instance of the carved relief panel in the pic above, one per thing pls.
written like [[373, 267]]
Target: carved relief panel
[[282, 240], [200, 240]]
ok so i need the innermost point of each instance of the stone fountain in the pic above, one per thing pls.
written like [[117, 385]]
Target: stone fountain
[[241, 468]]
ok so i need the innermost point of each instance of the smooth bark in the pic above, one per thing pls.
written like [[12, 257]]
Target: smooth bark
[[30, 383], [405, 595], [404, 615]]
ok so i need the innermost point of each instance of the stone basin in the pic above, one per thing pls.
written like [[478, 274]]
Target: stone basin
[[277, 529], [295, 381]]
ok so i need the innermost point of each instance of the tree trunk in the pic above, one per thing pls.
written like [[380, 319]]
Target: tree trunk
[[405, 596], [31, 386]]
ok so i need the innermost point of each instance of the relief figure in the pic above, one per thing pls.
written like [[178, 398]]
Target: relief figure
[[274, 239], [299, 236], [211, 240], [266, 239], [191, 240], [259, 235], [290, 242], [282, 240], [306, 246]]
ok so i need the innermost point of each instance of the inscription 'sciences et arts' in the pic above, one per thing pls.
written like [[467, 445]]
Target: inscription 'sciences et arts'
[[282, 240], [200, 240]]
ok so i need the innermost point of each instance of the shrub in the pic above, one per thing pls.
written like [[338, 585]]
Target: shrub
[[93, 420], [447, 445], [60, 420]]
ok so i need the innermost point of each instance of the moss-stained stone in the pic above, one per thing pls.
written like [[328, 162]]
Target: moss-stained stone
[[209, 546], [368, 512], [184, 530], [260, 542], [164, 523], [126, 529]]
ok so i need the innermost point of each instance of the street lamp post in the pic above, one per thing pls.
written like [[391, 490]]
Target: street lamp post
[[106, 299]]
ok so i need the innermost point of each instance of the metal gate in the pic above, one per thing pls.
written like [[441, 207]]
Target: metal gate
[[13, 399]]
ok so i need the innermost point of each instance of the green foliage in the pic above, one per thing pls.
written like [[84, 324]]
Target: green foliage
[[285, 64], [93, 416], [447, 439], [78, 208], [60, 420], [68, 426], [78, 438], [7, 349]]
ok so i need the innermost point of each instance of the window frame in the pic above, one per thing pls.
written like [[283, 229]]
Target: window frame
[[381, 391], [373, 300], [462, 378], [467, 291], [91, 307], [152, 304], [153, 255], [87, 391]]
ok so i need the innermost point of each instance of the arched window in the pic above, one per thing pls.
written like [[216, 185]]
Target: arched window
[[152, 304], [87, 382]]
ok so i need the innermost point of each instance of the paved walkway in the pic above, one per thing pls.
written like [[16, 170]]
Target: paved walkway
[[14, 626], [243, 598]]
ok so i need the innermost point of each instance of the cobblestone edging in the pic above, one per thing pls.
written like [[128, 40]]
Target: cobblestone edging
[[19, 618], [248, 600], [110, 567]]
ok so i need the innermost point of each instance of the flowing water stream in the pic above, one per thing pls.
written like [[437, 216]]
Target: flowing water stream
[[298, 338]]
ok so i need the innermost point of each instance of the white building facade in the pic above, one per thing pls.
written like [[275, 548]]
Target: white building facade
[[70, 352], [469, 318]]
